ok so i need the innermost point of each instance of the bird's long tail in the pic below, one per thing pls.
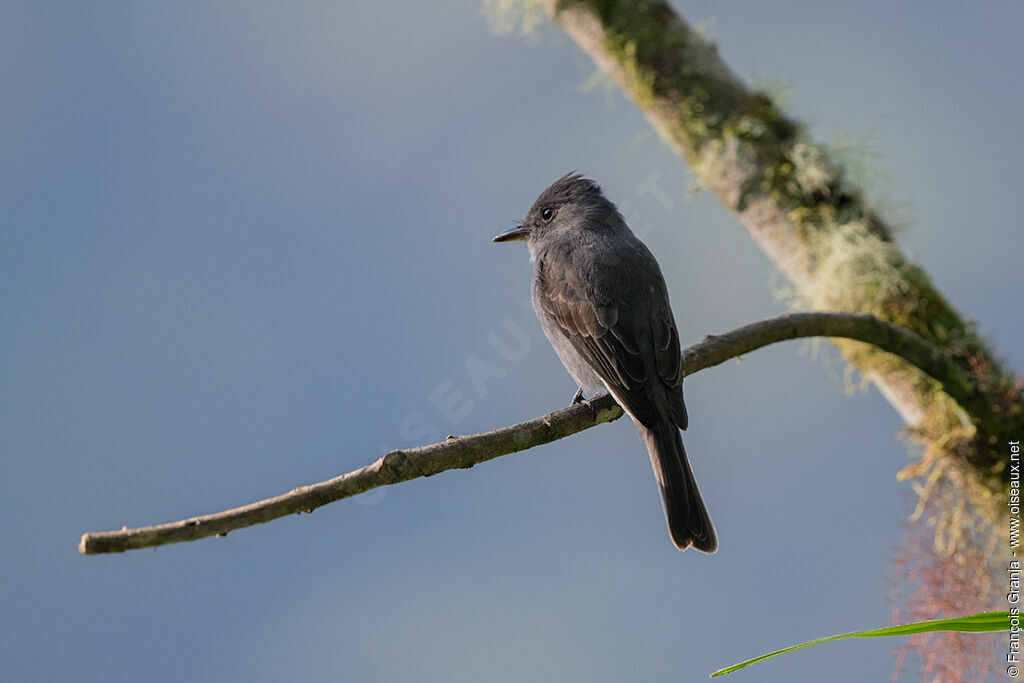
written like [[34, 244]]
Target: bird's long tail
[[688, 520]]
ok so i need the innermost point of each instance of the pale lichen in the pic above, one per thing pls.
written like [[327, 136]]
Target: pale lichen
[[853, 270], [507, 17], [811, 171]]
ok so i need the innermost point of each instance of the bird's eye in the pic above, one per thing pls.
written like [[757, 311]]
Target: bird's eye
[[546, 214]]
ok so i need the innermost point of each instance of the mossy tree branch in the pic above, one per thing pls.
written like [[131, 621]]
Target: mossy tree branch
[[810, 220], [466, 451]]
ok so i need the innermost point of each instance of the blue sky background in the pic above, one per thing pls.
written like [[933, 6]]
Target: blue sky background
[[242, 243]]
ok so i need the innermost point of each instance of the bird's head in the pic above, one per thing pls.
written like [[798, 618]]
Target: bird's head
[[571, 203]]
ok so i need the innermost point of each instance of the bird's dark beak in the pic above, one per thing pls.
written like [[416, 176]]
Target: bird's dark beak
[[517, 233]]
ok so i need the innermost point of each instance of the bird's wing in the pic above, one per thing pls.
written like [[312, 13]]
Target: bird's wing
[[668, 360], [611, 337]]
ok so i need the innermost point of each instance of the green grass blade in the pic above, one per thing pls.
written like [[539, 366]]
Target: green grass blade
[[975, 623]]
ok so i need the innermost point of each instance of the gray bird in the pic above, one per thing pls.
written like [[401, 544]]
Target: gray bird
[[603, 304]]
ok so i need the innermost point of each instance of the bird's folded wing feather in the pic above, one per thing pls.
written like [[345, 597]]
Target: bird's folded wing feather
[[609, 335]]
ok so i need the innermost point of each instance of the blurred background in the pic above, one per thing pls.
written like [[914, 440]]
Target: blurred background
[[246, 246]]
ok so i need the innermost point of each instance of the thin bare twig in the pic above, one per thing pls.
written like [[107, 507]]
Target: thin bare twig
[[466, 451]]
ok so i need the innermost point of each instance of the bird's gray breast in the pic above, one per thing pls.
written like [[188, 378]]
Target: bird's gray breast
[[579, 368]]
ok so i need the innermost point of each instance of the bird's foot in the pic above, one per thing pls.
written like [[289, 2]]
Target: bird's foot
[[578, 397]]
